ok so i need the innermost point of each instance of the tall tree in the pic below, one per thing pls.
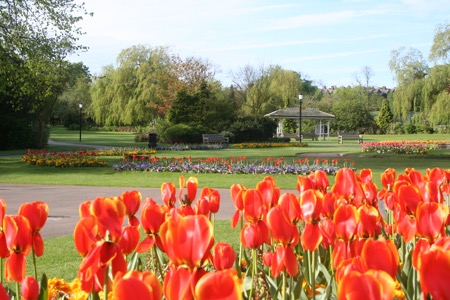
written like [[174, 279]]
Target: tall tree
[[35, 38], [408, 65], [440, 50], [385, 117]]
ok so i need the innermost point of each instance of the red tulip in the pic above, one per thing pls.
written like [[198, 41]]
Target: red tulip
[[132, 200], [85, 235], [129, 240], [153, 216], [269, 192], [85, 209], [406, 226], [371, 284], [431, 219], [219, 285], [191, 186], [382, 255], [168, 193], [3, 294], [187, 239], [388, 178], [236, 192], [19, 242], [37, 213], [282, 229], [320, 179], [180, 282], [434, 270], [137, 285], [346, 219], [370, 221], [348, 187], [223, 256], [329, 205], [311, 203], [290, 205], [255, 208], [4, 252], [109, 214], [304, 183], [30, 288], [311, 236], [254, 235], [213, 197]]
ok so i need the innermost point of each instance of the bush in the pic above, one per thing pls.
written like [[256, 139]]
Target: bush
[[396, 128], [182, 134], [141, 137], [19, 132], [410, 128], [249, 129]]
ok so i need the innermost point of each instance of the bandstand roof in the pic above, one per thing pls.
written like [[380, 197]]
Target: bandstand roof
[[294, 113]]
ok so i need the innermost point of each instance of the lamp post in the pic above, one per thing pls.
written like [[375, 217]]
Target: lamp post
[[300, 100], [81, 108]]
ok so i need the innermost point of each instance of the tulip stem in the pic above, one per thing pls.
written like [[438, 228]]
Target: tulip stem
[[283, 291], [241, 219], [156, 260], [105, 284], [253, 272], [212, 221], [313, 274], [1, 271], [34, 264], [17, 290]]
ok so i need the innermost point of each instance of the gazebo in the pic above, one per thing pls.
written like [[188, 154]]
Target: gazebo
[[322, 129]]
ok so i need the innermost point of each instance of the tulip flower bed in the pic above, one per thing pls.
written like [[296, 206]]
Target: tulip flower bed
[[79, 158], [233, 165], [404, 147], [347, 241]]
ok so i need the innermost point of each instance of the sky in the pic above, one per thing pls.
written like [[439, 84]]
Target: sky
[[326, 41]]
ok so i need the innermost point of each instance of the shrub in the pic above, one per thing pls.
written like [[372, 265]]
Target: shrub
[[249, 129], [396, 128], [410, 128], [182, 134]]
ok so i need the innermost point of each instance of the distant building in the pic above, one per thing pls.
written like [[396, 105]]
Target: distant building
[[382, 91]]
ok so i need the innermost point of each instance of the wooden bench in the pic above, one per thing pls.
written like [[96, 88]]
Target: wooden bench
[[214, 138], [350, 136], [312, 136]]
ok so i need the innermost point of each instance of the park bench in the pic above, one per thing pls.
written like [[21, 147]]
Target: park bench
[[348, 136], [311, 135], [214, 138]]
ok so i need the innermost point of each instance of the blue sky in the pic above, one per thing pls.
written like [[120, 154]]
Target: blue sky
[[327, 41]]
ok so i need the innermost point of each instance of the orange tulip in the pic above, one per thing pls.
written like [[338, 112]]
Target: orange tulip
[[290, 205], [129, 240], [30, 288], [85, 235], [388, 178], [132, 200], [19, 243], [109, 214], [304, 183], [348, 187], [269, 191], [370, 221], [137, 285], [191, 186], [255, 208], [85, 209], [282, 229], [236, 192], [382, 255], [223, 256], [4, 252], [346, 219], [168, 193], [94, 265], [254, 235], [37, 213], [434, 270], [371, 284], [431, 219], [320, 179], [213, 198], [406, 225], [187, 239], [311, 203], [219, 285], [311, 236], [329, 205], [180, 282], [153, 216]]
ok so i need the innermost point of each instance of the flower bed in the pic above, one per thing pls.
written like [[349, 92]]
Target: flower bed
[[63, 159], [320, 243], [233, 165], [404, 147]]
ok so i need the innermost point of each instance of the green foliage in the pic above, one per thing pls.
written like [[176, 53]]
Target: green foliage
[[18, 132], [183, 134], [248, 129], [396, 128], [441, 43], [385, 117], [351, 110]]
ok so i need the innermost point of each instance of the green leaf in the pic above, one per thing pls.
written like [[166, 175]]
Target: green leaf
[[43, 292]]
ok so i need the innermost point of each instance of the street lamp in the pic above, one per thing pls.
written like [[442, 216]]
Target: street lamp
[[300, 100], [81, 108]]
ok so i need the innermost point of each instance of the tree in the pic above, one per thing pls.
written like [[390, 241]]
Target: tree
[[385, 117], [35, 39], [366, 73], [408, 65], [440, 50], [350, 109]]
